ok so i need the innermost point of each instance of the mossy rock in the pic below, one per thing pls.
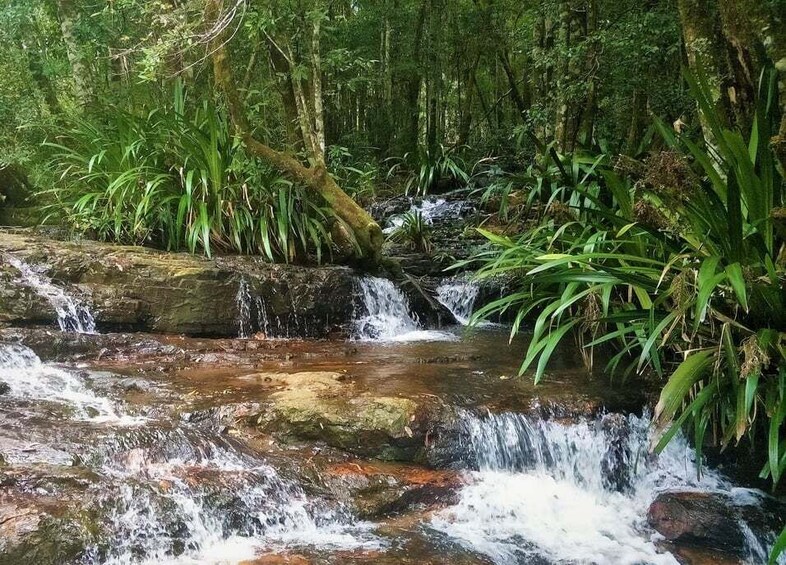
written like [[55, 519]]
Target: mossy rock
[[329, 407]]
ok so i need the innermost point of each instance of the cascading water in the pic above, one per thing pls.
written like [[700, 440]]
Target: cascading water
[[72, 315], [253, 315], [459, 297], [243, 302], [169, 492], [432, 210], [190, 496], [386, 315], [30, 379], [568, 493]]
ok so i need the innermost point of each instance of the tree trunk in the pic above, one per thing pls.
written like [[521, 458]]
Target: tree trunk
[[562, 124], [704, 46], [637, 122], [587, 124], [82, 87], [319, 114], [521, 97], [757, 23], [36, 67], [282, 73], [408, 112], [316, 178]]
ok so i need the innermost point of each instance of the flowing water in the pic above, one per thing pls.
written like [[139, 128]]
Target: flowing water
[[72, 315], [386, 315], [31, 380], [254, 315], [459, 297], [432, 210], [135, 437], [570, 493]]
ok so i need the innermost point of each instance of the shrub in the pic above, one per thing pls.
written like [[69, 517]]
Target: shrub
[[426, 167], [181, 181], [684, 283], [415, 231]]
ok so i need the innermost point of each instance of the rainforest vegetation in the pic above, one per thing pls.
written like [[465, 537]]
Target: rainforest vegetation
[[632, 152]]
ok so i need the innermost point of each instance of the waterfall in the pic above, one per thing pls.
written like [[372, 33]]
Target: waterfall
[[384, 315], [72, 315], [243, 302], [193, 496], [458, 297], [30, 379], [569, 493], [432, 210], [386, 311]]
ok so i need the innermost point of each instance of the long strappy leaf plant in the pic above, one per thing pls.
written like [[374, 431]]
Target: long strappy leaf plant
[[179, 179], [681, 279]]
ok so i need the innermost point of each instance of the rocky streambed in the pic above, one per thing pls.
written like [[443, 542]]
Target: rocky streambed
[[379, 431]]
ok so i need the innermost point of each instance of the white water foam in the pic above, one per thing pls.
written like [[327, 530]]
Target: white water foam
[[459, 297], [30, 379], [72, 315], [201, 493], [542, 490], [431, 210], [386, 315], [243, 303]]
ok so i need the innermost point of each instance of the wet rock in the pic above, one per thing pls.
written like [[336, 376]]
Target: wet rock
[[330, 407], [4, 388], [142, 289], [425, 307], [278, 559], [42, 533], [715, 521], [381, 490], [615, 465]]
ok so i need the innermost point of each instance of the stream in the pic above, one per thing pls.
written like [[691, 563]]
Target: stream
[[399, 444]]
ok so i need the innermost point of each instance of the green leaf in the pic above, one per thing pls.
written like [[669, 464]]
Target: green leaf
[[737, 281], [778, 548], [687, 374]]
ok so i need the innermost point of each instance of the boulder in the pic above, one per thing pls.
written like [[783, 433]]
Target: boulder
[[382, 490], [330, 407], [42, 533], [140, 289], [715, 521]]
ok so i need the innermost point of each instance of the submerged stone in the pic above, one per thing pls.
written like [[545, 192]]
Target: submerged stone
[[328, 407]]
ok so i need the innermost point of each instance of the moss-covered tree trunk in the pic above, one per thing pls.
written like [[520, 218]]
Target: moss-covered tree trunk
[[704, 45], [68, 15], [366, 231], [755, 28]]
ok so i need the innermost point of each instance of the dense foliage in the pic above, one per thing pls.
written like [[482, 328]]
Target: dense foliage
[[635, 208], [181, 181], [675, 262]]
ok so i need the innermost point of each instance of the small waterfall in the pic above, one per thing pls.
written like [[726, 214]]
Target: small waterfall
[[458, 297], [192, 496], [253, 316], [386, 311], [243, 302], [30, 379], [569, 493], [432, 210], [384, 315], [72, 315]]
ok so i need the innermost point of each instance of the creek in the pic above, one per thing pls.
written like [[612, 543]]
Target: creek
[[400, 442]]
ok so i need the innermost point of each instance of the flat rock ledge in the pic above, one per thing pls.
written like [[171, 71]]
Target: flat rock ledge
[[140, 289]]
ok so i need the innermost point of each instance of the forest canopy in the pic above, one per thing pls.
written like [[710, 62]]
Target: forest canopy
[[358, 84]]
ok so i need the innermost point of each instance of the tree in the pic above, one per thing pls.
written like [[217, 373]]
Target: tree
[[365, 230]]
